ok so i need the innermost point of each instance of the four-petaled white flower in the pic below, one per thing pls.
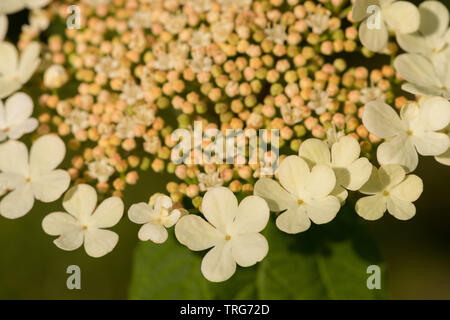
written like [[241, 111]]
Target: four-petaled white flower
[[83, 222], [433, 35], [15, 118], [12, 6], [15, 72], [31, 178], [209, 180], [306, 195], [100, 170], [414, 131], [232, 233], [379, 15], [425, 77], [350, 170], [389, 188], [155, 216]]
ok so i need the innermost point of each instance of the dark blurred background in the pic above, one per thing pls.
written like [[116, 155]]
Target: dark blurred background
[[417, 252]]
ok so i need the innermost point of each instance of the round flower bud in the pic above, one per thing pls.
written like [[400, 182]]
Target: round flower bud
[[55, 77]]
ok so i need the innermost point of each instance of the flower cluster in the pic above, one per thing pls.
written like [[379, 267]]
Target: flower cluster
[[142, 79]]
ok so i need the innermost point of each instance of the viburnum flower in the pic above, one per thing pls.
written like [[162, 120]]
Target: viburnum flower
[[15, 118], [305, 194], [232, 231], [351, 171], [31, 178], [83, 222], [392, 15], [3, 26], [155, 216], [12, 6], [15, 72], [389, 188], [445, 157], [414, 131], [55, 77], [100, 170], [424, 76], [433, 35]]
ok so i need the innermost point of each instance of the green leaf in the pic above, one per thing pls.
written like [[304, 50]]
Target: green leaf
[[326, 262]]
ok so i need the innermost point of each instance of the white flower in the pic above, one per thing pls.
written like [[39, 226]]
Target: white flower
[[100, 170], [155, 216], [231, 231], [39, 20], [141, 19], [125, 128], [15, 72], [108, 67], [276, 34], [31, 178], [319, 101], [144, 115], [415, 129], [433, 35], [209, 180], [401, 16], [15, 116], [445, 157], [200, 39], [3, 26], [176, 23], [12, 6], [333, 135], [221, 30], [372, 93], [389, 188], [305, 197], [131, 92], [84, 222], [350, 170], [425, 77], [318, 21], [290, 114], [151, 144], [55, 77], [199, 64], [78, 120]]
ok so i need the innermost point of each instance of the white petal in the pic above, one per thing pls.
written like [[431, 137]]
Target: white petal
[[371, 207], [292, 173], [172, 218], [17, 203], [359, 9], [339, 193], [434, 18], [320, 182], [3, 26], [399, 150], [154, 232], [47, 153], [390, 176], [294, 220], [434, 113], [58, 223], [398, 12], [248, 249], [80, 201], [70, 241], [14, 158], [345, 151], [413, 43], [355, 175], [373, 39], [11, 6], [49, 187], [417, 69], [401, 209], [29, 61], [373, 185], [140, 213], [108, 213], [197, 234], [420, 90], [253, 215], [323, 210], [8, 60], [444, 158], [219, 206], [218, 264], [8, 86], [19, 130], [19, 108], [161, 202], [381, 120], [409, 190], [98, 242], [315, 151], [36, 4], [431, 143], [276, 197]]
